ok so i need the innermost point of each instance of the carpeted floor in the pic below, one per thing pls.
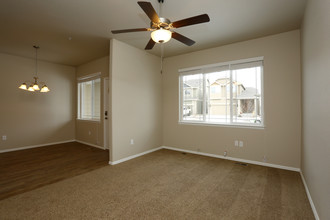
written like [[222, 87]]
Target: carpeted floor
[[167, 185]]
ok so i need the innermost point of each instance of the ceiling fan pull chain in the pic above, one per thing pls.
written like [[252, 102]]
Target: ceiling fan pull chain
[[161, 58]]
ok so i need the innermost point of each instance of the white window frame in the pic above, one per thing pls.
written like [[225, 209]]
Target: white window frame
[[199, 70], [87, 78]]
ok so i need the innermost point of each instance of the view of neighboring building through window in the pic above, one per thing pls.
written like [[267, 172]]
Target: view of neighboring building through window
[[224, 94], [89, 99]]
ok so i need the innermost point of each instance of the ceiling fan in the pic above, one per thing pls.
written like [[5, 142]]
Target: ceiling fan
[[162, 29]]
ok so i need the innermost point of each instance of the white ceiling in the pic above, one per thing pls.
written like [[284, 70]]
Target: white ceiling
[[50, 23]]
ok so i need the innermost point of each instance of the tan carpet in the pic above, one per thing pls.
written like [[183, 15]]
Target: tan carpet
[[167, 185]]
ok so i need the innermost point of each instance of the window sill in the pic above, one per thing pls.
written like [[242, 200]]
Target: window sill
[[89, 120], [222, 125]]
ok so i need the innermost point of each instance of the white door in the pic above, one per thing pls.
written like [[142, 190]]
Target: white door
[[106, 115]]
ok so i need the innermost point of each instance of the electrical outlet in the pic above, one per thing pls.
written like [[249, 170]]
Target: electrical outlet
[[241, 143], [225, 153], [132, 141], [4, 137], [236, 143], [264, 159]]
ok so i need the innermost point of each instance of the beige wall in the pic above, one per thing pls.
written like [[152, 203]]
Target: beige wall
[[91, 131], [280, 140], [35, 118], [94, 66], [136, 100], [316, 103]]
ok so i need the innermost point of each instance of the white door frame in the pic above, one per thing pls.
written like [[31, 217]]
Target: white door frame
[[106, 108]]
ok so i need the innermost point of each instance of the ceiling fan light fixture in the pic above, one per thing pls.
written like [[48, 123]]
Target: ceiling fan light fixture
[[161, 35], [162, 29]]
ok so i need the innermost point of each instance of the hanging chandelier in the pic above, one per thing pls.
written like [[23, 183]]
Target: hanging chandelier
[[34, 86]]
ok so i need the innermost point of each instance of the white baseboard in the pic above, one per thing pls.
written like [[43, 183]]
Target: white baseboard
[[35, 146], [209, 155], [309, 197], [155, 149], [234, 159], [133, 156], [89, 144], [47, 144]]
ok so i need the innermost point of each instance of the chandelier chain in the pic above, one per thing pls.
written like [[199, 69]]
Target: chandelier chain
[[36, 47]]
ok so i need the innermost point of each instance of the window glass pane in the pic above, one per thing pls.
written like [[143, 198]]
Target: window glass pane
[[246, 95], [89, 99], [192, 108], [224, 94], [97, 99], [218, 96], [79, 100], [86, 108]]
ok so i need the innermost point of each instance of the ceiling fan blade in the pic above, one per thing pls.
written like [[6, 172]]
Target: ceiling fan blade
[[182, 39], [129, 30], [150, 44], [191, 21], [150, 11]]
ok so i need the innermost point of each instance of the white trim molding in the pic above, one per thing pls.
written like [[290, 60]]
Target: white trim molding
[[309, 197], [208, 155], [89, 77], [247, 60], [48, 144], [134, 156], [35, 146], [235, 159], [165, 147], [89, 144]]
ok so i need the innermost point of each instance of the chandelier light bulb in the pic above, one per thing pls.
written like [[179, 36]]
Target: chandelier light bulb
[[23, 86], [44, 89], [31, 88], [36, 87]]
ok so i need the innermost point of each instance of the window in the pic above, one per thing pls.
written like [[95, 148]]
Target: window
[[89, 98], [227, 93]]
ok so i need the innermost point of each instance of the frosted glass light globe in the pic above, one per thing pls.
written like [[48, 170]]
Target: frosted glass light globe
[[161, 36]]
